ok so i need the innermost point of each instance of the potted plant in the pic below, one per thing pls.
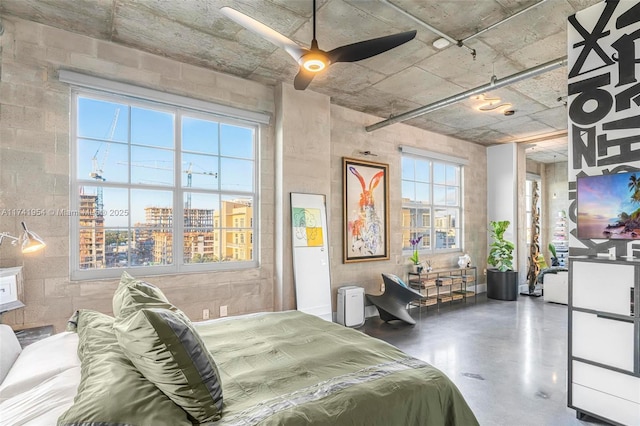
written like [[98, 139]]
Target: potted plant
[[415, 258], [502, 280]]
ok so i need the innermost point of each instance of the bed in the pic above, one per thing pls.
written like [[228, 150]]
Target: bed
[[279, 368]]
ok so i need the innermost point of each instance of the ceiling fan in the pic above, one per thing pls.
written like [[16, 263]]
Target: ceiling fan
[[314, 60]]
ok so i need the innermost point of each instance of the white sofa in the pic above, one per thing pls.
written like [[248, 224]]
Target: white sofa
[[556, 287]]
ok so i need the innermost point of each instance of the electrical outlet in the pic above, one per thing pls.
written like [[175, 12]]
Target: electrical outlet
[[223, 310], [205, 314], [485, 271]]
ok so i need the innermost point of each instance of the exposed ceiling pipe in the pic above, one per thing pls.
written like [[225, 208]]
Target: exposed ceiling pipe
[[459, 43], [429, 27], [490, 27], [494, 84]]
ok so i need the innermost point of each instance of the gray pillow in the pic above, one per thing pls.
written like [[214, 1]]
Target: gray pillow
[[112, 392], [167, 350]]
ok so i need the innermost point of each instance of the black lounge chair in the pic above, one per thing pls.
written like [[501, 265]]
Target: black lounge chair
[[392, 304]]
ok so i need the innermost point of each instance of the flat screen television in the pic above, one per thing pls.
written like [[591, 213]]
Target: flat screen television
[[609, 206]]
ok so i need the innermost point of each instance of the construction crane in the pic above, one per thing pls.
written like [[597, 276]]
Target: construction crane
[[189, 171], [98, 170]]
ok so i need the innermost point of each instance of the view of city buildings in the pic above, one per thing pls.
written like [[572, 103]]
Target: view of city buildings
[[92, 235], [445, 228], [209, 236]]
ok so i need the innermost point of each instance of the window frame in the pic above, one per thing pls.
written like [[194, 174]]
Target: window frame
[[199, 109], [433, 158]]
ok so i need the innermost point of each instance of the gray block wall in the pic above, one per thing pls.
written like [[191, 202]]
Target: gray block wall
[[300, 150]]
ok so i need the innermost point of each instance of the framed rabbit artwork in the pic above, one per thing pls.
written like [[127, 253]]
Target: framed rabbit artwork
[[366, 210]]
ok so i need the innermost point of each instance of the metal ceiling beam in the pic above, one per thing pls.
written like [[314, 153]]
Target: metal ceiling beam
[[494, 84]]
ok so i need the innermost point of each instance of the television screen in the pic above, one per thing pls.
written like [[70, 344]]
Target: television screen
[[609, 206]]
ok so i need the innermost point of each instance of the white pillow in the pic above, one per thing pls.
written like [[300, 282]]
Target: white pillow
[[9, 350], [40, 361], [44, 403]]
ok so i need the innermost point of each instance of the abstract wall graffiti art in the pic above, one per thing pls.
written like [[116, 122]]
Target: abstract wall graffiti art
[[604, 112]]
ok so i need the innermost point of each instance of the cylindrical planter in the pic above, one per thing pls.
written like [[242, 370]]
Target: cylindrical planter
[[502, 285]]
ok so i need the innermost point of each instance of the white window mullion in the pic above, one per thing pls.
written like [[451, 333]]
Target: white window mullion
[[432, 228], [178, 196], [74, 204]]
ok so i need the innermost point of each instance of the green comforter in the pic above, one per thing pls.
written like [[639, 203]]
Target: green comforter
[[290, 368]]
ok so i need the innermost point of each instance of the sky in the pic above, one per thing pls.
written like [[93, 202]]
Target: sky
[[219, 156]]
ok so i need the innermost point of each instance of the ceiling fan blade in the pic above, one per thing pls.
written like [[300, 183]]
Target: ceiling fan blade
[[368, 48], [265, 32], [303, 78]]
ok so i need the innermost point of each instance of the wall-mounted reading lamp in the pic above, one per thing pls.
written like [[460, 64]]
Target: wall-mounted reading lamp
[[30, 240]]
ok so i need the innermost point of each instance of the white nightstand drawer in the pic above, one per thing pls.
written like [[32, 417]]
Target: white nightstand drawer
[[607, 381], [602, 287], [611, 407], [602, 340]]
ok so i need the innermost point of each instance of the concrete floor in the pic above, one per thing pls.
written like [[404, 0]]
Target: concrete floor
[[509, 359]]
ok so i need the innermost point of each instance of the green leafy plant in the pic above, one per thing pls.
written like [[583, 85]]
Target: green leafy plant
[[501, 250], [554, 256]]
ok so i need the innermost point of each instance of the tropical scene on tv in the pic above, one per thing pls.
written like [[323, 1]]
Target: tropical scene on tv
[[609, 206]]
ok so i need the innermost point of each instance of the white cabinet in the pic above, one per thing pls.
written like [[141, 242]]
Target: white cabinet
[[604, 339], [603, 287]]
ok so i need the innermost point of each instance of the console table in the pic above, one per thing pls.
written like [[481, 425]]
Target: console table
[[444, 285]]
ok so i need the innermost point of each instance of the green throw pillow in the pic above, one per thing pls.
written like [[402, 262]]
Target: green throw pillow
[[112, 392], [167, 350], [133, 294]]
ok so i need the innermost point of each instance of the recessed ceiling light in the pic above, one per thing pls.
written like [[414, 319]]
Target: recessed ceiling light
[[441, 43]]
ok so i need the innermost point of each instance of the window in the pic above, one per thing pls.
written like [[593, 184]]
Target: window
[[431, 203], [159, 187]]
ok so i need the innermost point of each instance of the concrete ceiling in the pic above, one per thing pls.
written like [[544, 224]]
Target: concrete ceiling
[[410, 76]]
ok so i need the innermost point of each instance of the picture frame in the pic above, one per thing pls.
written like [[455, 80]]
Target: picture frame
[[366, 210]]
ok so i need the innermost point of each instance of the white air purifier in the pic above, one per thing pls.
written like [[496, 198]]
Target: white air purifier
[[350, 306]]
